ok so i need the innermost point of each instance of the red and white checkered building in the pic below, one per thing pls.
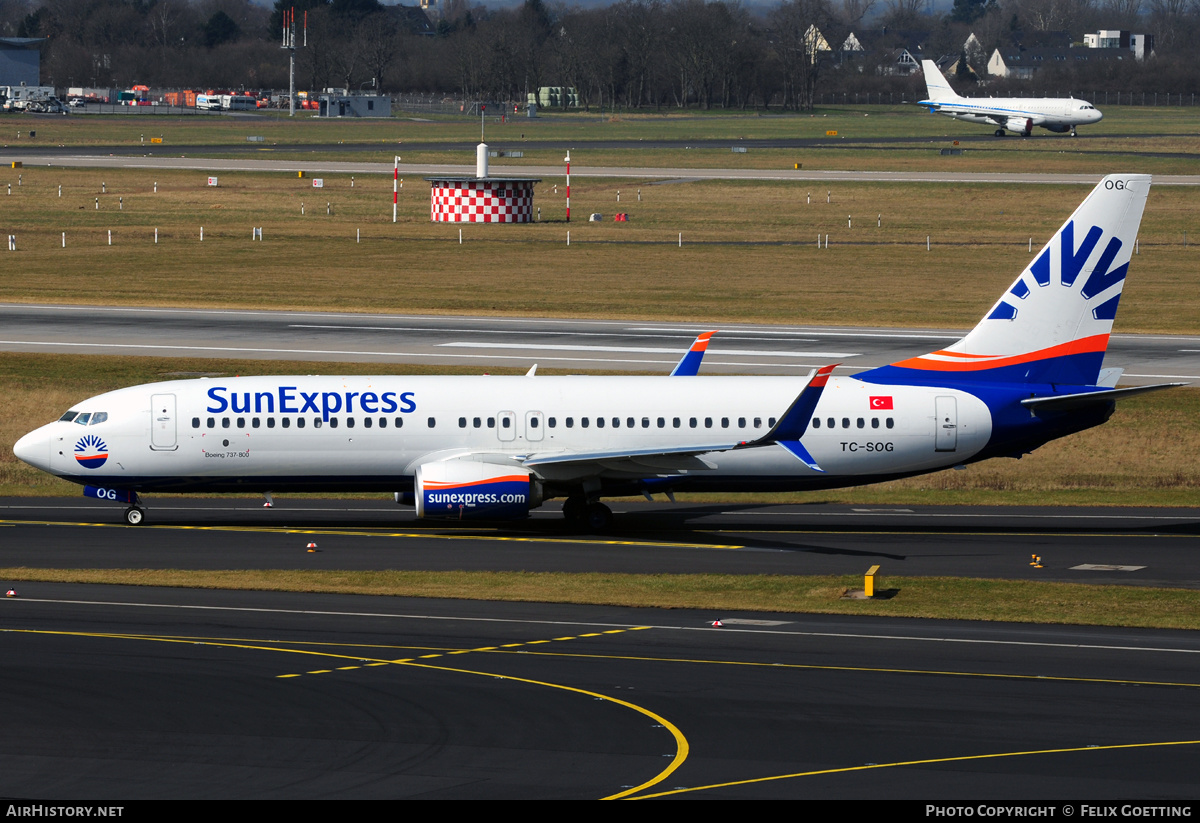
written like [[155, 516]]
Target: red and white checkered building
[[481, 200]]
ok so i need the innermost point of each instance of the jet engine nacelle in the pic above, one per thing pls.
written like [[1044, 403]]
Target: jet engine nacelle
[[1024, 125], [467, 489]]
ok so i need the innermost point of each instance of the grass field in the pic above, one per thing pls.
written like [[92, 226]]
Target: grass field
[[929, 597], [851, 121], [749, 248], [1127, 461]]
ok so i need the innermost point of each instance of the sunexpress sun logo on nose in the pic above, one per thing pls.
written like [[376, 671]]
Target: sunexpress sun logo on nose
[[91, 452]]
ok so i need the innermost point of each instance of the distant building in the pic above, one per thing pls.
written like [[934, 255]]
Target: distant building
[[20, 61], [341, 103], [1141, 45]]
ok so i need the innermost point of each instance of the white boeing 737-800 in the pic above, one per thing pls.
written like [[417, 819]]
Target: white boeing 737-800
[[1016, 114], [497, 447]]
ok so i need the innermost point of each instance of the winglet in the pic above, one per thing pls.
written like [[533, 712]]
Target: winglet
[[689, 365], [791, 427]]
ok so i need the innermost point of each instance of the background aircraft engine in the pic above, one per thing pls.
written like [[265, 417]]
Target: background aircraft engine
[[1024, 125], [468, 489]]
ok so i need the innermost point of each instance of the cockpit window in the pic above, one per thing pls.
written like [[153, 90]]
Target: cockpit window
[[68, 417], [83, 418], [98, 417]]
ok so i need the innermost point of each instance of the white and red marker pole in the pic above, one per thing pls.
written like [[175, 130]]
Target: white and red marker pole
[[567, 160], [395, 188]]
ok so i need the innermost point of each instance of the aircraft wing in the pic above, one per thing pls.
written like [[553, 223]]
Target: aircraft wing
[[559, 465], [786, 432]]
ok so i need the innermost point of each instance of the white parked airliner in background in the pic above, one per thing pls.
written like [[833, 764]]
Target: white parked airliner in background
[[497, 447], [1016, 114]]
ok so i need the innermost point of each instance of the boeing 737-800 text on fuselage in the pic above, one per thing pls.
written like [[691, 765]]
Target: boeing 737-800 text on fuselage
[[1016, 114], [497, 447]]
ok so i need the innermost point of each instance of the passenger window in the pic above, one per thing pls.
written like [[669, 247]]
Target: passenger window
[[333, 422], [616, 422], [662, 422], [224, 422], [570, 422], [491, 423], [831, 423], [816, 422], [533, 422], [367, 422], [349, 422], [675, 422], [583, 421], [758, 422], [286, 422], [399, 422], [551, 422], [316, 422], [874, 422], [299, 422], [599, 422], [645, 422], [708, 422], [890, 423], [724, 422], [432, 422], [270, 422], [630, 422], [241, 422], [741, 422], [771, 422], [254, 423], [476, 422], [692, 422], [845, 422], [862, 424], [462, 422], [504, 422], [212, 423], [383, 422], [195, 422]]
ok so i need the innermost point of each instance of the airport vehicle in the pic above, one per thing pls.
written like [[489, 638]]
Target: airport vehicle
[[491, 447], [31, 99], [1015, 114]]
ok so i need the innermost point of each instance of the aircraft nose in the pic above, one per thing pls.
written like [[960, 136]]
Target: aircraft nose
[[34, 449], [1098, 115]]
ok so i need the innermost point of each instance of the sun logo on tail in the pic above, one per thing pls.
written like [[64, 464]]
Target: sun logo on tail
[[91, 452]]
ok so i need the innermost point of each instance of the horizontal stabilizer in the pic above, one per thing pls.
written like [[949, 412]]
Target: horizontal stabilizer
[[1070, 402]]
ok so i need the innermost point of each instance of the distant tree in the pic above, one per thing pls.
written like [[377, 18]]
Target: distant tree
[[220, 28]]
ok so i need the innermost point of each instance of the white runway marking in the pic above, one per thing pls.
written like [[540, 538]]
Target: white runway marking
[[644, 350]]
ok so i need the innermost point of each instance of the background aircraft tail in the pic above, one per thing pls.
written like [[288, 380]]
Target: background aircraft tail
[[1052, 324], [935, 83]]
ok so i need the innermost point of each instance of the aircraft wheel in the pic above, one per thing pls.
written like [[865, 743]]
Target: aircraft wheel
[[134, 516], [599, 517], [999, 132], [574, 508]]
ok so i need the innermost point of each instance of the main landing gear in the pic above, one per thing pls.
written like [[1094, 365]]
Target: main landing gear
[[999, 132], [596, 516], [134, 515]]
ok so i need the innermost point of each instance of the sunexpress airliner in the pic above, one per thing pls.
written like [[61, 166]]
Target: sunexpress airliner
[[497, 447], [1016, 114]]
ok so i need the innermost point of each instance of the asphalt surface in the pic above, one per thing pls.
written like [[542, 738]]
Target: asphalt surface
[[514, 342], [33, 156], [1146, 547], [128, 693]]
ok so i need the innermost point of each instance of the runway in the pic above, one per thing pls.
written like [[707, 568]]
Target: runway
[[129, 693], [325, 165], [611, 345]]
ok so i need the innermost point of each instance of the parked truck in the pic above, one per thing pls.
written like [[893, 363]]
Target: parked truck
[[31, 98]]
